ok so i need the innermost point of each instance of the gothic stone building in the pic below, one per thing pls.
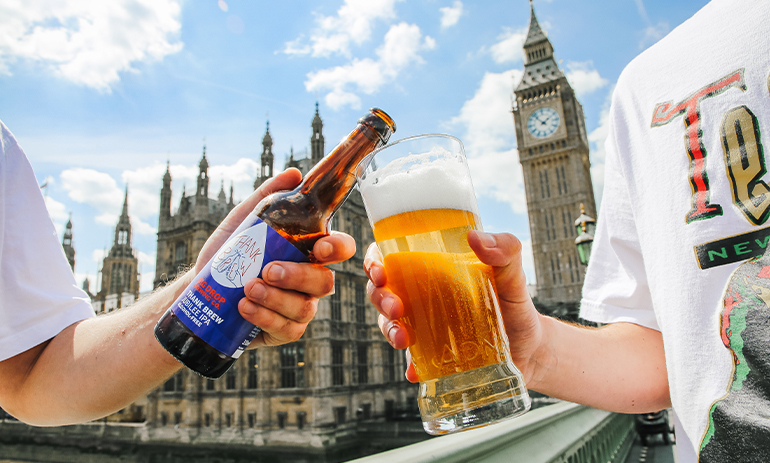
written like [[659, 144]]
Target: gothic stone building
[[553, 150], [181, 235], [119, 273], [68, 245], [307, 393]]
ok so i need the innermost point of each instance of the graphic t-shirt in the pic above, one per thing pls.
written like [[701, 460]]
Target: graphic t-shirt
[[38, 293], [683, 225]]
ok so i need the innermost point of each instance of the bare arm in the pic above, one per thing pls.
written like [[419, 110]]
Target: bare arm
[[618, 367], [100, 365]]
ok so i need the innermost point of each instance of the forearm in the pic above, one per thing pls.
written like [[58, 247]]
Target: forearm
[[619, 367], [97, 366]]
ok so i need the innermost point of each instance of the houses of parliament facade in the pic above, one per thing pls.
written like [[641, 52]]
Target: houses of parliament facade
[[310, 392]]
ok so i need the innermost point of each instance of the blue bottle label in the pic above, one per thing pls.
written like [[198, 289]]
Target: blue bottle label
[[209, 305]]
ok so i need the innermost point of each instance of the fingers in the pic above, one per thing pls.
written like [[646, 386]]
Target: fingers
[[336, 247], [373, 265], [497, 250], [411, 372], [400, 337], [503, 252], [387, 303], [391, 308], [284, 300], [396, 332], [281, 314]]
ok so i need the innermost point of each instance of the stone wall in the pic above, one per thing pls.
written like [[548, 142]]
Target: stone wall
[[137, 443]]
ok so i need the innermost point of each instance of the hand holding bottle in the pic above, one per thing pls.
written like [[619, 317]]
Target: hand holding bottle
[[285, 299], [204, 328]]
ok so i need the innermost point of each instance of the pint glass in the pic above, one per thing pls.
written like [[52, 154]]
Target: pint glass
[[420, 202]]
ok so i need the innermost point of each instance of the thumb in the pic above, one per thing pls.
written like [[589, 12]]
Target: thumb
[[502, 251]]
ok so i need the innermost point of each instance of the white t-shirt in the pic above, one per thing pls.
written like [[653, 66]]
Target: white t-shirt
[[686, 203], [38, 293]]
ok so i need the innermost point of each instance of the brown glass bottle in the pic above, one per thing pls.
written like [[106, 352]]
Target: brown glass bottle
[[301, 216]]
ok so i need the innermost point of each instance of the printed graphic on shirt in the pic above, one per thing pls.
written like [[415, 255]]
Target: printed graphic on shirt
[[690, 107], [733, 248], [744, 166], [738, 428]]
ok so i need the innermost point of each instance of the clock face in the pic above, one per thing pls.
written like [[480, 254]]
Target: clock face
[[543, 122]]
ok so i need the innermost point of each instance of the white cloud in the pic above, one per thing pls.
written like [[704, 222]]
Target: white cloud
[[57, 210], [89, 43], [583, 78], [653, 33], [240, 175], [146, 280], [528, 261], [146, 270], [401, 48], [142, 228], [338, 98], [509, 47], [107, 219], [450, 15], [58, 213], [98, 255], [597, 139], [144, 186], [297, 47], [642, 10], [92, 187], [101, 191], [352, 25], [489, 140], [146, 259]]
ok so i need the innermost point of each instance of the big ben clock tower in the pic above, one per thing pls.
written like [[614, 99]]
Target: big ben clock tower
[[553, 151]]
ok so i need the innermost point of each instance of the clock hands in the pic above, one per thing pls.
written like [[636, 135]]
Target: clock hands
[[543, 122]]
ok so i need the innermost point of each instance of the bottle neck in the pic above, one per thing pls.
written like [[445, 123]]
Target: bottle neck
[[332, 179]]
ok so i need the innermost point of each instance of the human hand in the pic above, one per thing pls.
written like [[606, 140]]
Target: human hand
[[285, 299], [521, 320], [286, 180]]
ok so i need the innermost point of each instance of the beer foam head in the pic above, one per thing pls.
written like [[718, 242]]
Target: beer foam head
[[416, 182]]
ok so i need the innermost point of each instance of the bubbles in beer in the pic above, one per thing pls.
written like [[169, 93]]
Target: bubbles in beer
[[432, 180]]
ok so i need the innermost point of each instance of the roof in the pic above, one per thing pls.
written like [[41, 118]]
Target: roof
[[539, 73]]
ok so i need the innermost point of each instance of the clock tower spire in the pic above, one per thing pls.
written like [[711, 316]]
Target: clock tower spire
[[553, 151]]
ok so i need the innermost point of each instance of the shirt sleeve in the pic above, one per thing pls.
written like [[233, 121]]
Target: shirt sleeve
[[616, 287], [39, 296]]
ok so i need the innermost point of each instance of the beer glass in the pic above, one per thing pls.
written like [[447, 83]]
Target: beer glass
[[420, 202]]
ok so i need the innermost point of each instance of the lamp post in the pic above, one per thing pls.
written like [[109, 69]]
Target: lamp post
[[585, 226]]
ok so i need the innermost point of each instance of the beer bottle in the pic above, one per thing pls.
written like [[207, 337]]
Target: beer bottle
[[203, 328]]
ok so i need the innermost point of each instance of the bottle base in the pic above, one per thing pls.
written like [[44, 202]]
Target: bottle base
[[189, 349], [472, 399]]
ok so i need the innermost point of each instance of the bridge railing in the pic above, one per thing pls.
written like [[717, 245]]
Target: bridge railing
[[560, 433]]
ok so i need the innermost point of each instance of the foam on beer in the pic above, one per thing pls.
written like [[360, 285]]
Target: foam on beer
[[429, 183]]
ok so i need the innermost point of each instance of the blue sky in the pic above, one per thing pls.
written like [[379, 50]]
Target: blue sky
[[101, 94]]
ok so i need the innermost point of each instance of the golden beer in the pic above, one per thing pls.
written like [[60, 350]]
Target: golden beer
[[419, 198], [449, 296]]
